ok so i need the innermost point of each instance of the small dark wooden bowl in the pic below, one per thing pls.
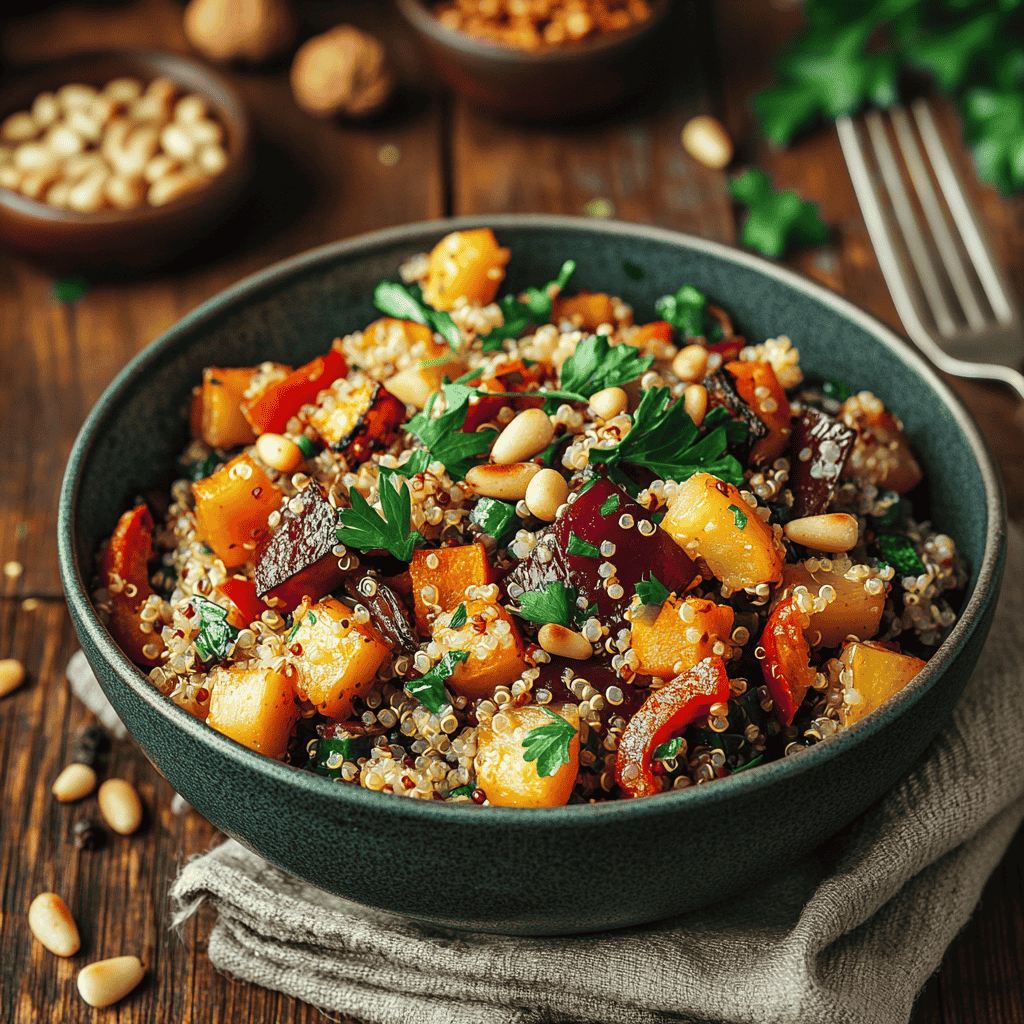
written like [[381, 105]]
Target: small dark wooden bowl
[[575, 80], [65, 240]]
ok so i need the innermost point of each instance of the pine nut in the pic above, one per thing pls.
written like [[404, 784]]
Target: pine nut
[[85, 124], [106, 981], [177, 142], [607, 404], [45, 109], [120, 806], [52, 924], [33, 156], [545, 492], [88, 195], [76, 97], [707, 141], [57, 195], [12, 675], [695, 402], [527, 435], [81, 164], [190, 108], [565, 643], [35, 183], [123, 90], [205, 132], [212, 159], [10, 176], [139, 148], [125, 193], [834, 532], [505, 482], [279, 452], [74, 782], [61, 140], [691, 363], [174, 186], [160, 166], [19, 127]]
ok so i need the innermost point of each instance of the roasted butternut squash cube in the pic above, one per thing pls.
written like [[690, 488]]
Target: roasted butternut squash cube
[[254, 706], [684, 633], [491, 638], [587, 310], [338, 657], [877, 674], [760, 389], [466, 265], [440, 577], [504, 774], [222, 422], [232, 507], [708, 518], [881, 453]]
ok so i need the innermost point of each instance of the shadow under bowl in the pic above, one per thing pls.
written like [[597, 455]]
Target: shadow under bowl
[[528, 871]]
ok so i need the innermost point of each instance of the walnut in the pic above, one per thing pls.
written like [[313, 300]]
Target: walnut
[[342, 71], [251, 31]]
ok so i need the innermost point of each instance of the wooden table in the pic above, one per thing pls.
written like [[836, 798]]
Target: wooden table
[[318, 182]]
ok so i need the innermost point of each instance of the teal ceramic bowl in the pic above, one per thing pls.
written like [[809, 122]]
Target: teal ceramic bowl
[[542, 871]]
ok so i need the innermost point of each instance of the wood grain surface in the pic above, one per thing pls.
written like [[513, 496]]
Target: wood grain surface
[[317, 182]]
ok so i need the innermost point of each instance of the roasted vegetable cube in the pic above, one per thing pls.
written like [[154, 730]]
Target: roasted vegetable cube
[[466, 265], [818, 451], [254, 706], [270, 411], [882, 452], [222, 422], [760, 389], [685, 632], [722, 391], [357, 416], [440, 578], [708, 517], [876, 674], [492, 641], [587, 310], [387, 612]]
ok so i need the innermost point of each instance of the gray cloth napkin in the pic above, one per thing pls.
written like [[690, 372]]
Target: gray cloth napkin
[[847, 934]]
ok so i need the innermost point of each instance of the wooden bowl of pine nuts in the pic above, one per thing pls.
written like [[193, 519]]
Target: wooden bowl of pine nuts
[[118, 160], [566, 64]]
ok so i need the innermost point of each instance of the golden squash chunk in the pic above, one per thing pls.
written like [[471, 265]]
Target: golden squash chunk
[[465, 265], [502, 772], [337, 657], [491, 638], [223, 425], [254, 706], [708, 518], [877, 674], [684, 633], [856, 610]]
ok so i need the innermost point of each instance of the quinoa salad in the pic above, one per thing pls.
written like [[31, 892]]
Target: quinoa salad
[[524, 551]]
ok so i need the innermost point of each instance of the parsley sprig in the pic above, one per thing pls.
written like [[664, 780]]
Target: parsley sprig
[[665, 440], [216, 635], [548, 745], [429, 688], [459, 451], [533, 308], [687, 312], [651, 591], [406, 303], [361, 527], [555, 603], [597, 364]]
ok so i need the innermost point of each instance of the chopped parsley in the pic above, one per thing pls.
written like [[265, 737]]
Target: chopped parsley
[[610, 504], [361, 527], [534, 308], [429, 688], [448, 444], [326, 756], [458, 617], [555, 603], [750, 764], [416, 463], [836, 389], [739, 517], [548, 745], [407, 304], [596, 365], [668, 750], [665, 440], [687, 312], [582, 548], [899, 552], [216, 634], [451, 794], [651, 591]]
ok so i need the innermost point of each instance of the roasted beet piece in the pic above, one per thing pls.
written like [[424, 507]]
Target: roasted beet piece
[[387, 612], [722, 391], [817, 454], [559, 676], [297, 559], [570, 552]]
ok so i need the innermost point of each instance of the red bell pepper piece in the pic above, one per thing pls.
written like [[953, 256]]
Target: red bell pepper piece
[[665, 712], [786, 665], [241, 592], [270, 412], [729, 349], [656, 330]]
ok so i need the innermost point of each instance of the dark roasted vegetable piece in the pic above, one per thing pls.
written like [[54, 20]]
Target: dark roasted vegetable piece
[[722, 391], [363, 419], [297, 560], [271, 410], [557, 675], [636, 555], [386, 610], [817, 453]]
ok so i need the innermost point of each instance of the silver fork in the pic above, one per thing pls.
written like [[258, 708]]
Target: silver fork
[[947, 287]]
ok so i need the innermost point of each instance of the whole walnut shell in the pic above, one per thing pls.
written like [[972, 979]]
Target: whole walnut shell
[[251, 31], [342, 71]]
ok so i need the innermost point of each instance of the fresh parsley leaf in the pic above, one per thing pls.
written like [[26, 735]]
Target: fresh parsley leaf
[[687, 312], [416, 463], [548, 745], [458, 618], [583, 548], [405, 304], [362, 528], [580, 615], [651, 591], [664, 439], [555, 603], [429, 688], [899, 552], [775, 217], [459, 451], [668, 750], [597, 365], [836, 389], [326, 756], [535, 308], [451, 794], [610, 504], [216, 635], [750, 764], [739, 518]]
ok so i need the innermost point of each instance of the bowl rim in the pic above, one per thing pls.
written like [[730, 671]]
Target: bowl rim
[[762, 776], [417, 14], [224, 96]]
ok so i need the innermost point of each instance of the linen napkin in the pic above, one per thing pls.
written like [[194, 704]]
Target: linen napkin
[[849, 933]]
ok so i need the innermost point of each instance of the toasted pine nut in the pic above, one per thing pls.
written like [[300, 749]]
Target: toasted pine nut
[[81, 164], [76, 97], [529, 433], [34, 184], [61, 140], [205, 132], [565, 643], [45, 109], [505, 482], [160, 166], [212, 159], [125, 193], [12, 675], [88, 195], [695, 402], [6, 156], [545, 492], [190, 108], [57, 195], [10, 176], [834, 532], [19, 127], [51, 923], [177, 142], [691, 363], [706, 140], [279, 452], [167, 189], [83, 123], [139, 148], [103, 110], [74, 782], [607, 404], [33, 156], [120, 806], [106, 981], [124, 90]]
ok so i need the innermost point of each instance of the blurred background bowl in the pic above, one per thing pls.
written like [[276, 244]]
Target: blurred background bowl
[[559, 82], [64, 240]]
